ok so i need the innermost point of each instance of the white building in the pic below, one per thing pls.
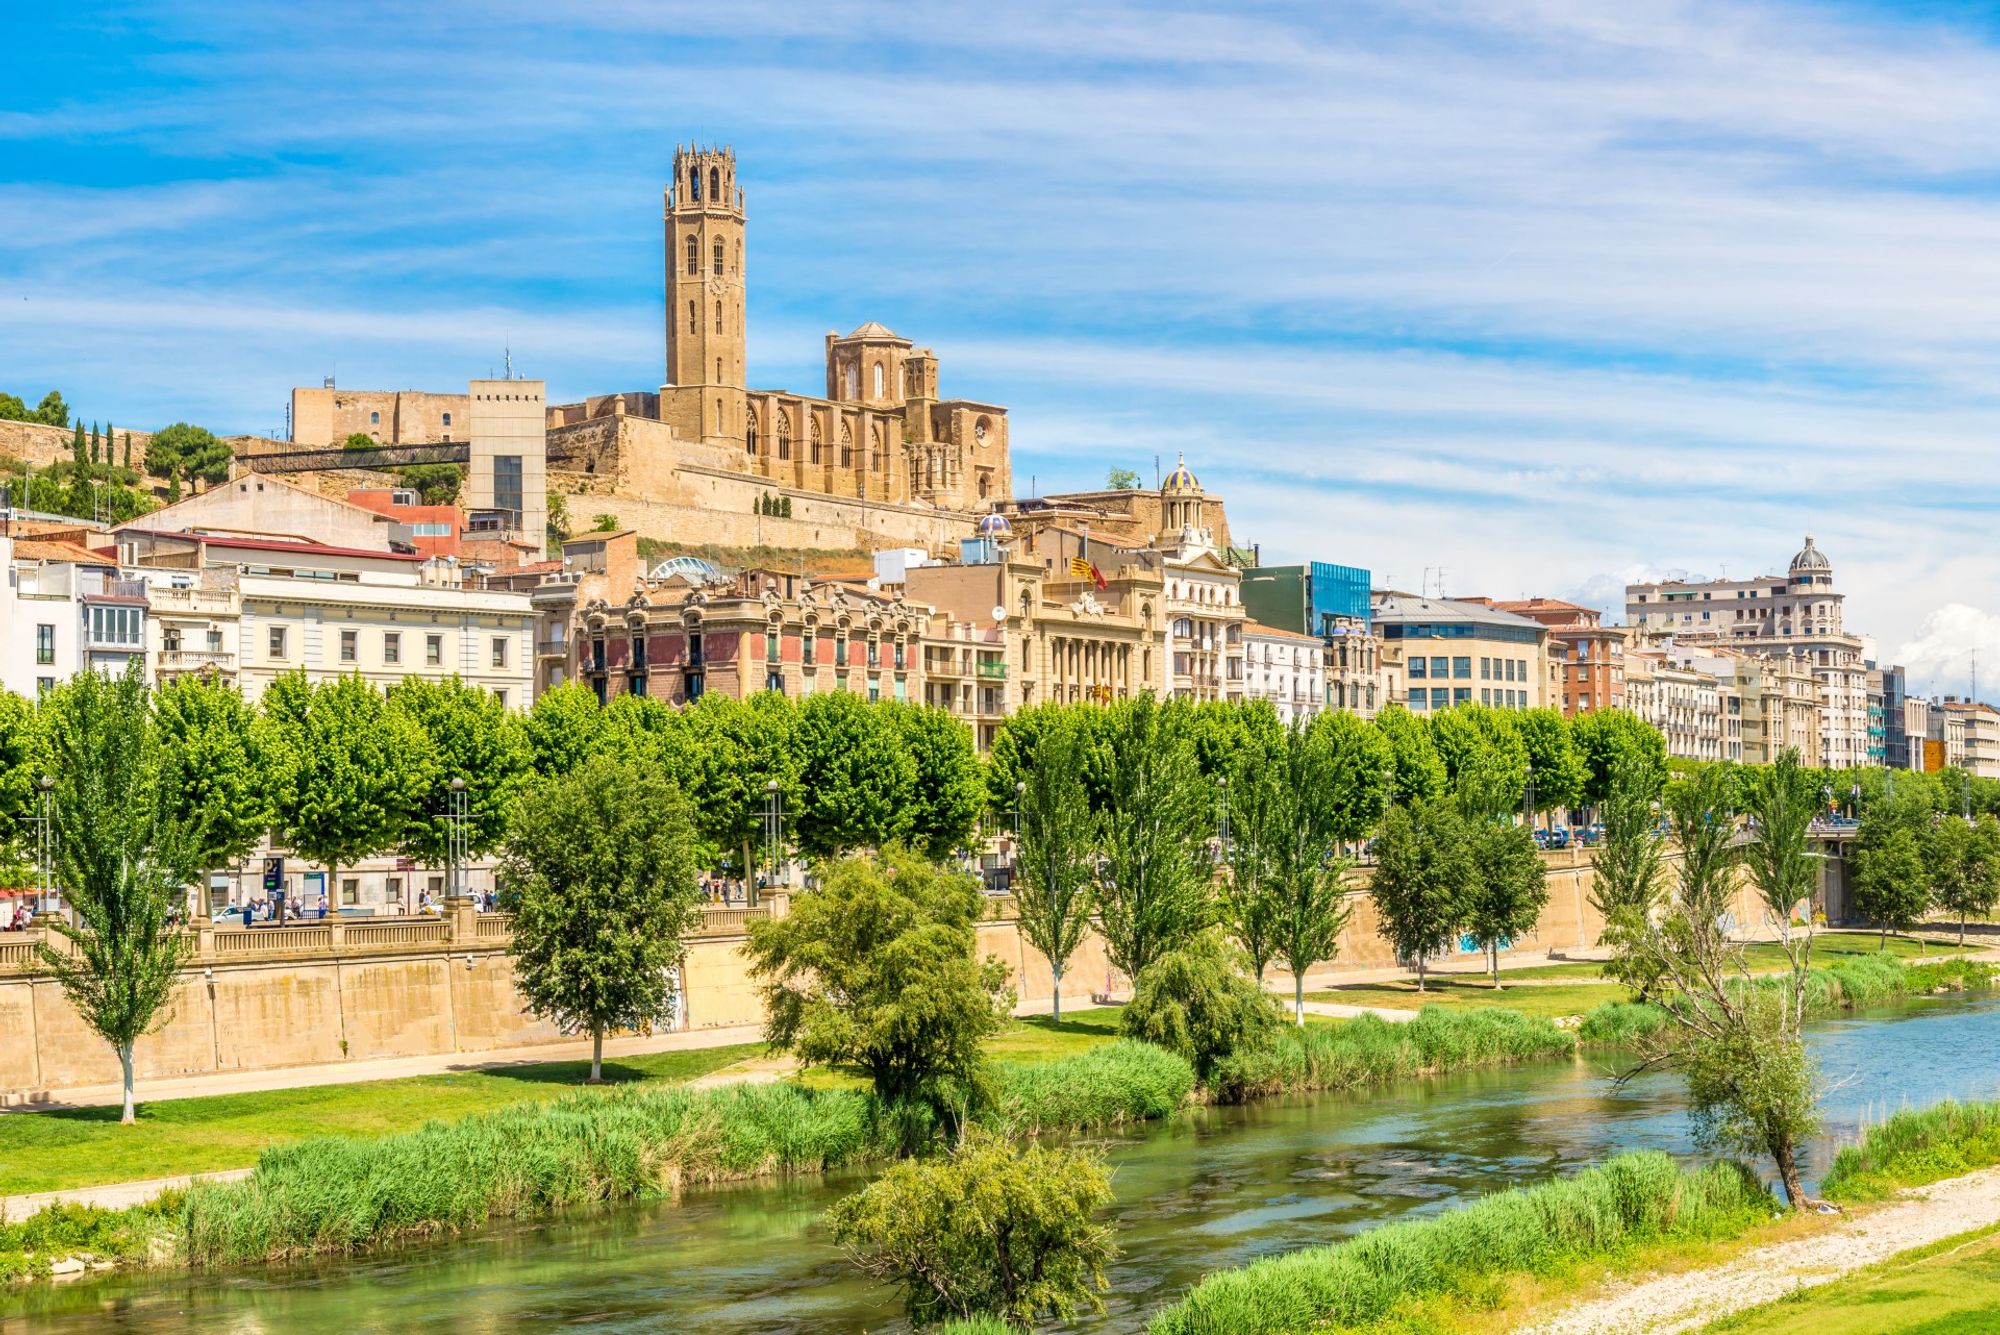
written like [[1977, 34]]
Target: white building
[[65, 607], [1204, 598], [1286, 668]]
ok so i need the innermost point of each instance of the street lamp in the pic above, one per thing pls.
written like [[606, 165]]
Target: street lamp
[[1528, 794], [774, 836], [1854, 801], [1014, 854], [456, 816], [45, 845]]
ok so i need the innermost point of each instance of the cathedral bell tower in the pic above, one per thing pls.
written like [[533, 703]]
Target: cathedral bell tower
[[704, 240]]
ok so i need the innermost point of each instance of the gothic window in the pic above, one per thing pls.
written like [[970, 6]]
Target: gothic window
[[846, 446], [982, 486], [878, 380], [875, 450], [714, 185], [694, 256], [691, 324], [718, 259], [814, 425], [718, 370], [694, 184], [784, 434], [718, 317], [739, 257], [718, 410], [750, 434]]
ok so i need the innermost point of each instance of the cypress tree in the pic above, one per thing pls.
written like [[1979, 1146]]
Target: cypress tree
[[93, 443], [76, 448], [128, 451]]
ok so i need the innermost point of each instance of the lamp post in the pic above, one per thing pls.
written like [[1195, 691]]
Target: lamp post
[[45, 846], [1826, 799], [774, 836], [456, 815], [1528, 793], [1964, 794], [1014, 855], [1854, 801]]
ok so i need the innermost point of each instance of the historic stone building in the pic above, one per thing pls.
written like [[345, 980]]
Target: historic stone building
[[880, 460]]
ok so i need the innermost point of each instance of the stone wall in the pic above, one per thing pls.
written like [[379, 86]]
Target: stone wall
[[41, 444]]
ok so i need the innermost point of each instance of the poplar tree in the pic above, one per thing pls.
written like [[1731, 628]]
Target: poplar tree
[[1423, 866], [1152, 890], [1056, 850], [216, 787]]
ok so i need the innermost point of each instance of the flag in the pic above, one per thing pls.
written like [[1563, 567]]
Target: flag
[[1097, 577], [1080, 568]]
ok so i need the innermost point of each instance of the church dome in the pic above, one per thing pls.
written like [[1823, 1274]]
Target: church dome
[[1810, 559], [995, 526], [1180, 480], [872, 330]]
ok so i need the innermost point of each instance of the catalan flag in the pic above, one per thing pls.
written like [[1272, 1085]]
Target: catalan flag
[[1080, 568]]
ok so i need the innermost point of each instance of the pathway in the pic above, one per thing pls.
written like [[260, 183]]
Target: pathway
[[1667, 1304]]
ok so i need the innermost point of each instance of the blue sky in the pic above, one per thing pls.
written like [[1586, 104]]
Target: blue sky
[[1547, 294]]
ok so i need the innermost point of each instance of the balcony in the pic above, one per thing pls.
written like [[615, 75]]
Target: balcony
[[197, 660], [194, 602], [552, 648]]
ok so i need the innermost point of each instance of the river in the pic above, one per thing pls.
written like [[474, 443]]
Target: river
[[1211, 1189]]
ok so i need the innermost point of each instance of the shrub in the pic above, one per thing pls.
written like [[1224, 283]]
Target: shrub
[[1631, 1200], [1914, 1147], [1620, 1024], [1125, 1081], [1198, 1001], [989, 1230]]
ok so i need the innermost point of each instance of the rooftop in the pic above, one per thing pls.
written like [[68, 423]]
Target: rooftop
[[1403, 608]]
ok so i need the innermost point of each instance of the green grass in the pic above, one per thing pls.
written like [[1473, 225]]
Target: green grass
[[1456, 993], [1468, 1255], [1037, 1036], [1914, 1147], [1370, 1050], [66, 1148], [1951, 1287], [1105, 1085]]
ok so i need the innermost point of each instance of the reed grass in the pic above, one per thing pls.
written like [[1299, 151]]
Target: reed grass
[[1370, 1050], [1110, 1085], [1631, 1201], [1913, 1147]]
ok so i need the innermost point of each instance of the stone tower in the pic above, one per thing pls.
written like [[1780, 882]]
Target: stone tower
[[704, 240]]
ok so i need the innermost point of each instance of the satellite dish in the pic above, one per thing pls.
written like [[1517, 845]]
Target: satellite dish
[[999, 614]]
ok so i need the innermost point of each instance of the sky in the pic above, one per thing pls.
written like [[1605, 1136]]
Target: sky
[[1529, 298]]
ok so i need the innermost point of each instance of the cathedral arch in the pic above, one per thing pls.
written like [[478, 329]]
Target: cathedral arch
[[750, 434], [814, 436], [784, 434], [846, 445], [714, 184], [878, 380]]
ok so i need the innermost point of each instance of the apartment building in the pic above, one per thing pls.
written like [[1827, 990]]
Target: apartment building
[[66, 606], [1442, 653], [1330, 602], [1285, 668]]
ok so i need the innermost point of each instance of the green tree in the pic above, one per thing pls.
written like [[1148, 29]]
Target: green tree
[[1783, 803], [1892, 880], [13, 410], [469, 735], [348, 774], [1122, 479], [874, 968], [558, 524], [79, 456], [121, 857], [1557, 769], [950, 788], [360, 440], [1423, 866], [564, 729], [856, 779], [601, 862], [1509, 886], [1199, 1001], [214, 773], [20, 767], [993, 1229], [181, 452], [52, 409], [1419, 773], [127, 464], [645, 730], [1628, 867], [1964, 858], [604, 523], [744, 747], [95, 444], [1360, 771], [1603, 736], [1152, 891], [1057, 847], [437, 484]]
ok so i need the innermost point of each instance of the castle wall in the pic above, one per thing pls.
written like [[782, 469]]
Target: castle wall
[[322, 417], [41, 444]]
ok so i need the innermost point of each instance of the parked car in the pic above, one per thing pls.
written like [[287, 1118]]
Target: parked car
[[1555, 837]]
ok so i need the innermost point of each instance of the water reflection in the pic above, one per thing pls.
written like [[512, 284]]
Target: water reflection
[[1212, 1189]]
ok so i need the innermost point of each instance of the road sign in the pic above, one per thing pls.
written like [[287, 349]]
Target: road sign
[[274, 875]]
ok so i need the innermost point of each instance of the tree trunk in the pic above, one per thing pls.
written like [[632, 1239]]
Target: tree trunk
[[596, 1053], [1420, 973], [1961, 931], [1493, 954], [1055, 990], [1299, 999], [128, 1116], [1882, 941], [1788, 1171]]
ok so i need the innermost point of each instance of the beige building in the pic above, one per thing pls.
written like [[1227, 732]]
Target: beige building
[[1797, 613], [1441, 653], [1204, 597], [1691, 708], [1977, 736], [1777, 700], [1944, 746], [1286, 668], [881, 460]]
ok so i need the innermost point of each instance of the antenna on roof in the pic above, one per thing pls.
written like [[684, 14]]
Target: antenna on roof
[[508, 353]]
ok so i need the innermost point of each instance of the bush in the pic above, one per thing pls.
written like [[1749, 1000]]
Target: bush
[[1199, 1001], [989, 1230], [1632, 1200], [1369, 1050], [28, 1248], [1916, 1147], [1620, 1024], [1125, 1081]]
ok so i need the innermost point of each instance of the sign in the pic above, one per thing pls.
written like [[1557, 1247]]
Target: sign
[[274, 875]]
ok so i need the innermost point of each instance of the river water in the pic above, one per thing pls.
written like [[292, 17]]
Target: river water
[[1208, 1190]]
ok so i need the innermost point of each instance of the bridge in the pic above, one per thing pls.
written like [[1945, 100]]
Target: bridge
[[374, 456]]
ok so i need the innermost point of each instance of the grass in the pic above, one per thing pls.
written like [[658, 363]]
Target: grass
[[1951, 1287], [1763, 956], [1914, 1147], [1467, 1256], [81, 1147], [1370, 1050], [1108, 1084], [1456, 993], [1036, 1037]]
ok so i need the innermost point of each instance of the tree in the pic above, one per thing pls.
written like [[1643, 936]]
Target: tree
[[1122, 479], [856, 780], [127, 464], [1057, 845], [1485, 763], [1418, 772], [467, 734], [874, 968], [215, 778], [1739, 1044], [950, 787], [1964, 858], [993, 1229], [13, 410], [1152, 892], [122, 858], [1509, 886], [1423, 865], [604, 523], [1359, 771], [743, 747], [1892, 880], [601, 862], [181, 451], [348, 774], [1558, 772], [1603, 736], [564, 729], [436, 484], [19, 768], [1628, 866], [1785, 873], [52, 409], [79, 456], [1197, 1000]]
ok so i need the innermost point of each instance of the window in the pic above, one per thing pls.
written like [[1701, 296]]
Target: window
[[718, 259], [374, 419], [1440, 667], [1486, 669], [1461, 668], [499, 651], [714, 193], [507, 484], [350, 890], [500, 697], [718, 317], [430, 530], [433, 650], [1440, 697], [774, 681], [1417, 667], [43, 685], [808, 647], [447, 419], [348, 644], [1486, 695], [1461, 695], [770, 646], [45, 645], [694, 257], [691, 323], [878, 380], [277, 642], [214, 640], [392, 646]]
